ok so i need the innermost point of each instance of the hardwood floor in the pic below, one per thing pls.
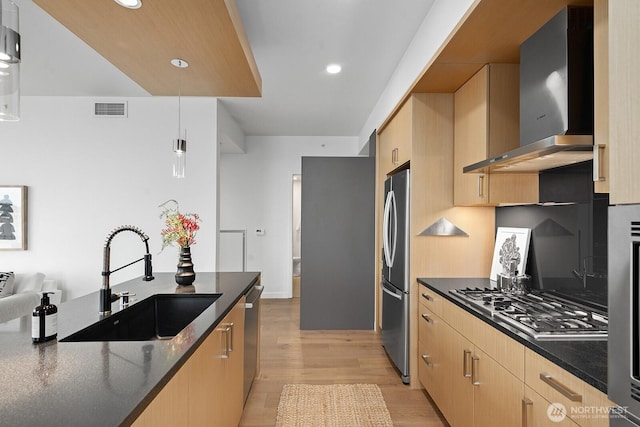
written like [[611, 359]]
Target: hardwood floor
[[290, 356]]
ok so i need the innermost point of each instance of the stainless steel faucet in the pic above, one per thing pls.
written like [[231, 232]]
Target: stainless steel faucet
[[106, 298], [583, 274]]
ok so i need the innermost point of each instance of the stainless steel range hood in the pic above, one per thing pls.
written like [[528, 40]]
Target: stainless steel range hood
[[552, 152], [556, 97]]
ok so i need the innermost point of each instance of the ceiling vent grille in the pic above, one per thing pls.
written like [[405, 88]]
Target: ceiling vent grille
[[110, 109]]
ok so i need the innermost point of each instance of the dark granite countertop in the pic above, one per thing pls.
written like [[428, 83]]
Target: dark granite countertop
[[586, 359], [102, 383]]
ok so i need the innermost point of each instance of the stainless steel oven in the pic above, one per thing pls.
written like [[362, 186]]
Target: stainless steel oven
[[624, 313]]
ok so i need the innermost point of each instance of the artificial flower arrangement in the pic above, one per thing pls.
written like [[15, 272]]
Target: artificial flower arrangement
[[179, 228]]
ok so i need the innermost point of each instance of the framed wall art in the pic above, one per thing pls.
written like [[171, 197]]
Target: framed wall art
[[511, 243], [13, 217]]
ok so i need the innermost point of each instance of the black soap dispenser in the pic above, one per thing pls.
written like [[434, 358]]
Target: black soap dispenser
[[44, 320]]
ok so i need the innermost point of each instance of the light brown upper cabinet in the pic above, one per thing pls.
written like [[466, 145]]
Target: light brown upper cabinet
[[601, 96], [624, 101], [395, 139], [486, 125]]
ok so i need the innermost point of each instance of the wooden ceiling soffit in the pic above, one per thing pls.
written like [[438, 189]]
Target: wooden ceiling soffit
[[208, 34]]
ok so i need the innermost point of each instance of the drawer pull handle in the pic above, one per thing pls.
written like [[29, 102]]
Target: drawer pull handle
[[475, 367], [231, 340], [427, 318], [427, 297], [526, 413], [465, 363], [598, 153], [226, 331], [426, 357], [561, 388]]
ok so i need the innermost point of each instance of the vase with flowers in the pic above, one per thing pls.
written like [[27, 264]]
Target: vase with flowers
[[180, 229]]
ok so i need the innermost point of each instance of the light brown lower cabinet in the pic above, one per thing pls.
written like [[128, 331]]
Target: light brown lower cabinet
[[538, 412], [464, 381], [496, 393], [207, 390], [460, 352], [480, 377], [434, 363], [584, 404]]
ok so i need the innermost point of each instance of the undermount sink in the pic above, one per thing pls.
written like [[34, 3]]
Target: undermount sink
[[157, 317]]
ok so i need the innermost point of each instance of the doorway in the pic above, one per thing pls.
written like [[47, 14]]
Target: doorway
[[296, 234]]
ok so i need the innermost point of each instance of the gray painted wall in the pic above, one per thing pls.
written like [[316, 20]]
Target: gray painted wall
[[337, 288]]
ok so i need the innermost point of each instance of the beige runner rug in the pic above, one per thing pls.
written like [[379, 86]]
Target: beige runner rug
[[338, 405]]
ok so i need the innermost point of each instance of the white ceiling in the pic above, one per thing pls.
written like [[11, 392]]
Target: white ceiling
[[292, 42]]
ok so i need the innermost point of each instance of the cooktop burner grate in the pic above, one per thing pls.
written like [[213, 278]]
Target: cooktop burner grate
[[540, 315]]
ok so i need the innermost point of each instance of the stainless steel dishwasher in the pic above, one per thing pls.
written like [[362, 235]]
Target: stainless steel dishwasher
[[251, 337]]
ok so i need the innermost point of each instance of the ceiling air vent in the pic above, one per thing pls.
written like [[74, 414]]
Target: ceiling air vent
[[110, 109]]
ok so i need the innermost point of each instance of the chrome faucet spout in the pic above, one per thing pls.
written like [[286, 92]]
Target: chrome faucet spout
[[106, 298], [583, 274]]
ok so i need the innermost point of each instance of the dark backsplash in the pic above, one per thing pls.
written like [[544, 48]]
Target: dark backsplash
[[564, 240]]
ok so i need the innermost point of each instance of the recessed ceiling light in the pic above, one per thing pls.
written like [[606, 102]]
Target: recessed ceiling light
[[130, 4], [180, 63], [333, 68]]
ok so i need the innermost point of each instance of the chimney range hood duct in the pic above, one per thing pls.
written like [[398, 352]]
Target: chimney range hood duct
[[556, 97]]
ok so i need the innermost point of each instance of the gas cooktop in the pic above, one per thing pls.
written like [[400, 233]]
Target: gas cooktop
[[539, 315]]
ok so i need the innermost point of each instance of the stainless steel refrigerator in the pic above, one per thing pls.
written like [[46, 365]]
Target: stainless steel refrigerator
[[395, 271]]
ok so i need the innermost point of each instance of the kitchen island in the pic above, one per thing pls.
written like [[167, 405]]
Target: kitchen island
[[103, 383]]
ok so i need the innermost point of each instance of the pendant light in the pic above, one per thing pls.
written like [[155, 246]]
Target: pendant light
[[179, 144], [9, 62]]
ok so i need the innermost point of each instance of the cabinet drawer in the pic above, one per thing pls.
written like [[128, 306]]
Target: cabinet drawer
[[426, 348], [459, 320], [536, 412], [594, 401], [431, 300], [507, 352], [554, 383], [427, 335]]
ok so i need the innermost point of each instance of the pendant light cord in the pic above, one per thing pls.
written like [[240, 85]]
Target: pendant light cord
[[179, 93]]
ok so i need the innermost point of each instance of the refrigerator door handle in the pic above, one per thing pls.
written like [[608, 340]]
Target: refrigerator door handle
[[395, 227], [385, 228], [393, 294]]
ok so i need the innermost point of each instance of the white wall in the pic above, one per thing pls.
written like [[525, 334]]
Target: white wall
[[89, 175], [256, 192], [230, 135], [440, 21]]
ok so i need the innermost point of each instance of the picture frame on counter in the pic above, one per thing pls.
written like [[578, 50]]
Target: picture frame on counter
[[13, 217], [511, 243]]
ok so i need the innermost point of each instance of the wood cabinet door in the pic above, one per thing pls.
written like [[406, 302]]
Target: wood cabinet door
[[170, 407], [471, 139], [395, 139], [208, 389], [403, 133], [624, 101], [385, 148], [486, 125], [206, 394], [234, 364], [460, 412], [601, 96], [498, 394], [536, 412]]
